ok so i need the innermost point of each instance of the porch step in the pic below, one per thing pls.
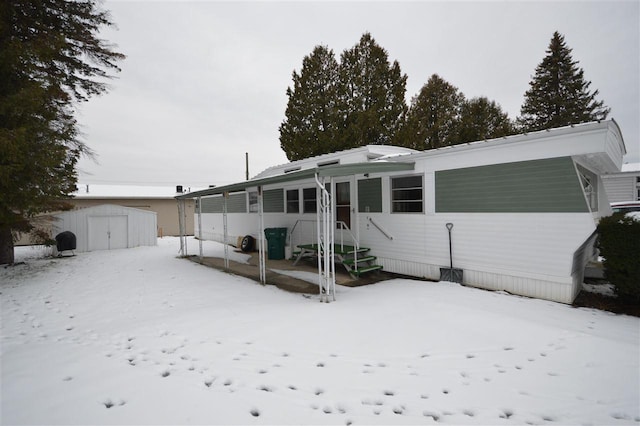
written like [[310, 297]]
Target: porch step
[[345, 254], [363, 259], [337, 249], [370, 268]]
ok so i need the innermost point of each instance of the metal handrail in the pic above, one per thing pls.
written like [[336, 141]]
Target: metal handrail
[[294, 228], [385, 233], [353, 237]]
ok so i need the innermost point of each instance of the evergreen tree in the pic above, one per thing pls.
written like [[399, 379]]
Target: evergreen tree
[[50, 57], [371, 95], [311, 116], [558, 93], [433, 116], [482, 119]]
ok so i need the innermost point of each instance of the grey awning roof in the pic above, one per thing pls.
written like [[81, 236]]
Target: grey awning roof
[[334, 170]]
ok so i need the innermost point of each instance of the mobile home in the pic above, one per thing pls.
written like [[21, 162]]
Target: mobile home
[[524, 208]]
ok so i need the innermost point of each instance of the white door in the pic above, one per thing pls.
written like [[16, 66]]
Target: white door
[[107, 232], [118, 234], [343, 204]]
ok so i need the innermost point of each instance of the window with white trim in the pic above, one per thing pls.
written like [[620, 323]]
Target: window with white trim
[[309, 200], [253, 202], [293, 201], [407, 195], [589, 183]]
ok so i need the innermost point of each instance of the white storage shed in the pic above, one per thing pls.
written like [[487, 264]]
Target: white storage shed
[[108, 227]]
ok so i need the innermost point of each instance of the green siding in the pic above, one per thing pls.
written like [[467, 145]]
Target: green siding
[[549, 185], [273, 200], [370, 195]]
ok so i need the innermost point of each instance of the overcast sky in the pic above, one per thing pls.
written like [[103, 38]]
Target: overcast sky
[[205, 82]]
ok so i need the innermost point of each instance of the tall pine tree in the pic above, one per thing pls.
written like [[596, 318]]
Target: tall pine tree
[[558, 94], [482, 119], [371, 95], [311, 123], [50, 57], [433, 116]]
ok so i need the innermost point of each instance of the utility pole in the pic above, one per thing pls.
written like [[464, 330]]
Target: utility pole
[[246, 160]]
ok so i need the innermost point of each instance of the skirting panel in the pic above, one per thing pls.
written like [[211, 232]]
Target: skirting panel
[[562, 292]]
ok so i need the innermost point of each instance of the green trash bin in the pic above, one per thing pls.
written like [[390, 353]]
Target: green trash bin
[[276, 240]]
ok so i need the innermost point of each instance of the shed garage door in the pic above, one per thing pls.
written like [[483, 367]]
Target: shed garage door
[[107, 232]]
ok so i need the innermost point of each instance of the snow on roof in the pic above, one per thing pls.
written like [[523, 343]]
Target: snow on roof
[[127, 191], [630, 167], [351, 155]]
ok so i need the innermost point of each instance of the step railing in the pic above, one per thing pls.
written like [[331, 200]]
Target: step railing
[[307, 233], [342, 227], [380, 228], [303, 237]]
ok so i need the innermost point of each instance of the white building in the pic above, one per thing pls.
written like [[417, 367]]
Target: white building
[[625, 185], [107, 227], [524, 208]]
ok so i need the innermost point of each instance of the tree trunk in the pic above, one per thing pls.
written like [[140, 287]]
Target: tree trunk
[[6, 246]]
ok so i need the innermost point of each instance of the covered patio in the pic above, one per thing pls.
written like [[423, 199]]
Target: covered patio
[[325, 222]]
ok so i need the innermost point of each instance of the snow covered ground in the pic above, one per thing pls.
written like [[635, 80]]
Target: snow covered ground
[[140, 336]]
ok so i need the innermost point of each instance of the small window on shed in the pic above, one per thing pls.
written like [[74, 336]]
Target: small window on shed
[[293, 201], [407, 194]]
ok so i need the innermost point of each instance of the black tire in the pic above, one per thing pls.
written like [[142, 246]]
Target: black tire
[[247, 243]]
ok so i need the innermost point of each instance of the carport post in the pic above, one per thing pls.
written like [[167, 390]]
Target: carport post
[[181, 225], [200, 225], [225, 195], [184, 223], [261, 245]]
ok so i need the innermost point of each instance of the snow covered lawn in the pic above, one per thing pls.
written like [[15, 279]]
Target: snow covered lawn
[[140, 336]]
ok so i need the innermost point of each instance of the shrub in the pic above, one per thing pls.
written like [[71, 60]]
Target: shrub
[[619, 244]]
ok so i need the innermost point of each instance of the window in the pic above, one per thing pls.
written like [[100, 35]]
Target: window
[[343, 204], [253, 201], [273, 201], [309, 200], [370, 195], [406, 194], [589, 186], [293, 201], [637, 188]]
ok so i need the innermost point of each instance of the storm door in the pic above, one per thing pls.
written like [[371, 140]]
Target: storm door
[[343, 204]]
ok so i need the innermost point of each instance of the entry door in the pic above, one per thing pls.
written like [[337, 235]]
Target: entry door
[[343, 204], [107, 232]]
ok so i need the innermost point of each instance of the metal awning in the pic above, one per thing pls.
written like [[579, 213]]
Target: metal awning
[[326, 171], [326, 269]]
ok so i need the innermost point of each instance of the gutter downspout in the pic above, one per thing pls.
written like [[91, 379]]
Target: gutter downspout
[[324, 211]]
